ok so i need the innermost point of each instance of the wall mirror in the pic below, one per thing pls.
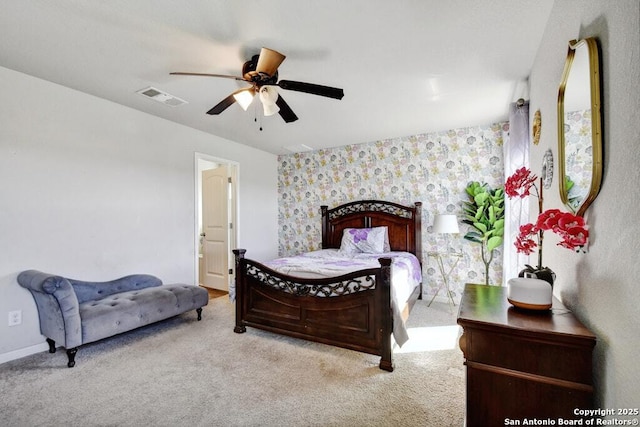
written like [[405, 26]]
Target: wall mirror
[[579, 126]]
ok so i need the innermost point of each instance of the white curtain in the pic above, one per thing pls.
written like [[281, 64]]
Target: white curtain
[[516, 155]]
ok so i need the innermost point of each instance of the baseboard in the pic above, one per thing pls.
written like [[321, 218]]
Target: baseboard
[[23, 352]]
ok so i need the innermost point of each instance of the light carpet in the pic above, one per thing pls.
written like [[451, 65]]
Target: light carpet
[[184, 372]]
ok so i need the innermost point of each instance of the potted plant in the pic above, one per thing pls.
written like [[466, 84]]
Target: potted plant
[[484, 212], [571, 228]]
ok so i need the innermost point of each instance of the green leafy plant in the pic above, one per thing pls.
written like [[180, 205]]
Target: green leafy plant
[[573, 199], [484, 212]]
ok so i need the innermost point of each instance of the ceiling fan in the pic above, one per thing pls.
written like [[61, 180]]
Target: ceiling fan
[[261, 72]]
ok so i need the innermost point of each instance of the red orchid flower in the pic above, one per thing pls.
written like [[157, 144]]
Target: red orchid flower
[[519, 184], [524, 242], [568, 220], [548, 220], [576, 239]]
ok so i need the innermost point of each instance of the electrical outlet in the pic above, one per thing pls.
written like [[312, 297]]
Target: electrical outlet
[[15, 317]]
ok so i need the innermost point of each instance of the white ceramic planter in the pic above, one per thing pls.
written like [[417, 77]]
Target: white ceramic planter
[[529, 293]]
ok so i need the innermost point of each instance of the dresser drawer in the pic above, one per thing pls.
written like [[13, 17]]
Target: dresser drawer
[[494, 395], [530, 354]]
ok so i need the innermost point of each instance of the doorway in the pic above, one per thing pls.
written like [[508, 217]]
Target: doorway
[[216, 220]]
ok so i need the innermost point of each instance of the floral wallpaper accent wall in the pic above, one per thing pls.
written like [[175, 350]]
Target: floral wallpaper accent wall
[[432, 168]]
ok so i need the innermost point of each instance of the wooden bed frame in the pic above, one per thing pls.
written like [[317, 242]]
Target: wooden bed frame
[[360, 316]]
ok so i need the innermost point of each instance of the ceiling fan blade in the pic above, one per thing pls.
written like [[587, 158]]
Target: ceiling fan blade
[[330, 92], [222, 105], [269, 61], [229, 100], [285, 111], [180, 73]]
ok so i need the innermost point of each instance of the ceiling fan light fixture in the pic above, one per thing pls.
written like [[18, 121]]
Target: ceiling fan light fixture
[[269, 96], [244, 98], [270, 109]]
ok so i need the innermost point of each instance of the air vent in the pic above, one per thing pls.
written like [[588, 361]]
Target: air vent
[[301, 148], [163, 97]]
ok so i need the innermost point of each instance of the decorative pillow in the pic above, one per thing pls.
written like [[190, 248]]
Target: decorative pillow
[[368, 240]]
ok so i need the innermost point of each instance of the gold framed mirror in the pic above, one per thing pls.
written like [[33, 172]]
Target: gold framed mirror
[[580, 126]]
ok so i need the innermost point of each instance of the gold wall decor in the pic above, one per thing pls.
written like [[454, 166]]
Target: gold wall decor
[[537, 124]]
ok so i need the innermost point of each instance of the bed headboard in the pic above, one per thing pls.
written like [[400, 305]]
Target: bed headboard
[[404, 223]]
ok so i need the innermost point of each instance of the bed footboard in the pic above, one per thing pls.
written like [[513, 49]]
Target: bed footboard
[[352, 311]]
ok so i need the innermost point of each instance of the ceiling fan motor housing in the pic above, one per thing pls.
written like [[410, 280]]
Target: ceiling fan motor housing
[[258, 78]]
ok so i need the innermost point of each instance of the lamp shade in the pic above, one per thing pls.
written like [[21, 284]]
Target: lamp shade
[[270, 109], [269, 96], [244, 97], [445, 224]]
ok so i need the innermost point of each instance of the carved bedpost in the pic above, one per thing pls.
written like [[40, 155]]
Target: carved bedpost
[[418, 230], [240, 274], [418, 233], [383, 287], [325, 225]]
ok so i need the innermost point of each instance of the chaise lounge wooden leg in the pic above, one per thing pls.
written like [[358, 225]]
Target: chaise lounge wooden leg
[[71, 353], [52, 345], [199, 311]]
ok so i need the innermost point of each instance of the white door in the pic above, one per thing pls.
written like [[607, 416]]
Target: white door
[[215, 228]]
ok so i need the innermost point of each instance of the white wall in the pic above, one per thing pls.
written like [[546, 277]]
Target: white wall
[[93, 190], [601, 286]]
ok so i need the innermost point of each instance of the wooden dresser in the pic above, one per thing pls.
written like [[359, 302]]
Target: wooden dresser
[[521, 364]]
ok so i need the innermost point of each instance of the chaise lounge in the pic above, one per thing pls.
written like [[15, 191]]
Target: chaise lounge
[[73, 312]]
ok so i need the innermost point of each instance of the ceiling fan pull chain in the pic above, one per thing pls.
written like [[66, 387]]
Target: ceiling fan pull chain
[[256, 110]]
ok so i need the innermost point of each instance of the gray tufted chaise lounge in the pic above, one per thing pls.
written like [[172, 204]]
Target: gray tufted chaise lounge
[[73, 312]]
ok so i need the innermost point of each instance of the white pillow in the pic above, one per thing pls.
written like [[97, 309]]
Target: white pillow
[[368, 240]]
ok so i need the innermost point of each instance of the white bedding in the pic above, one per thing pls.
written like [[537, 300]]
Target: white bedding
[[406, 275]]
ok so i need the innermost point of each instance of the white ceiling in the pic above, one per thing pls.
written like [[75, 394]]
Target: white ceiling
[[406, 67]]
